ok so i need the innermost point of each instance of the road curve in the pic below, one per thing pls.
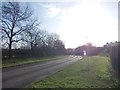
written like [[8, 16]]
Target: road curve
[[21, 76]]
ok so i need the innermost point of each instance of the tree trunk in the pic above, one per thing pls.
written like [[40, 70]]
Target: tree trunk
[[10, 48]]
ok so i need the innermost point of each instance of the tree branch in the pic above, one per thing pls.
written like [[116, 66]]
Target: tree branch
[[17, 40], [6, 32]]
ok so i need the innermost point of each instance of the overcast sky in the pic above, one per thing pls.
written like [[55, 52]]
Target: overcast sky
[[79, 21]]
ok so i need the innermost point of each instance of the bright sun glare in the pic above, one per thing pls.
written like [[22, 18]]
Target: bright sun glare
[[87, 20]]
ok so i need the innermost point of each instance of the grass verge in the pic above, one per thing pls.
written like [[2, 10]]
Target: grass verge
[[21, 61], [79, 75]]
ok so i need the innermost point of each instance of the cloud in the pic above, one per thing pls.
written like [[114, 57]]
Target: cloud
[[53, 10]]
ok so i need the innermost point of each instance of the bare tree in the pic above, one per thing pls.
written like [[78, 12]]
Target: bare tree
[[15, 20], [31, 37], [51, 39], [43, 38]]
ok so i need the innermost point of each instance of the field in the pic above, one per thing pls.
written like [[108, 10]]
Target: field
[[21, 61], [89, 72]]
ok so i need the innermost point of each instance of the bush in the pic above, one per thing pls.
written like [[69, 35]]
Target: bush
[[36, 52], [115, 62]]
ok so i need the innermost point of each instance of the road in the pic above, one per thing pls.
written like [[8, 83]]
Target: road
[[21, 76]]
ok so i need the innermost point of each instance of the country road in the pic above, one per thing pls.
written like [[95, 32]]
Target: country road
[[21, 76]]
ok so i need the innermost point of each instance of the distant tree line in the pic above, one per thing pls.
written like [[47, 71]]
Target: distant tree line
[[22, 36], [88, 48]]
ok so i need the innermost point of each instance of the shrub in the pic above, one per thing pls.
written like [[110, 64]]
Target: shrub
[[115, 62]]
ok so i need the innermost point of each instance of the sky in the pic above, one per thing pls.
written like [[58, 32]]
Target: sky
[[79, 21]]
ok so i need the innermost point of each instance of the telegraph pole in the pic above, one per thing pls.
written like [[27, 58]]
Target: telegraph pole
[[88, 54]]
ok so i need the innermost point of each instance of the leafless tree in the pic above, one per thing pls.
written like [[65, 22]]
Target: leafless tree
[[43, 38], [51, 39], [31, 37], [15, 20]]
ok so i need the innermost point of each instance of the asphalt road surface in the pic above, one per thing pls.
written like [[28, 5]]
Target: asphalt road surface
[[21, 76]]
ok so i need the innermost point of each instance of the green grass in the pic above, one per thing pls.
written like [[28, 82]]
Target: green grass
[[78, 75], [21, 61]]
